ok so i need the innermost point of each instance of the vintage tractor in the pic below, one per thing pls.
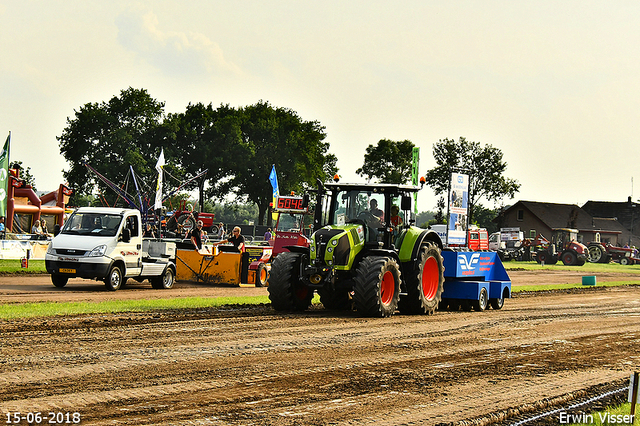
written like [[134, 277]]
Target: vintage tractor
[[185, 218], [357, 257], [563, 246], [605, 252]]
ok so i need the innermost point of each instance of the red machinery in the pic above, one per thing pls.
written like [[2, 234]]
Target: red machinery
[[184, 219], [563, 246]]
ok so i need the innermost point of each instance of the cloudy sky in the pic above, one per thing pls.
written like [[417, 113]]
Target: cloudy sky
[[553, 84]]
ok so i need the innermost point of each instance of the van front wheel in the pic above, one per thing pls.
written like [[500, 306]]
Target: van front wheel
[[113, 281]]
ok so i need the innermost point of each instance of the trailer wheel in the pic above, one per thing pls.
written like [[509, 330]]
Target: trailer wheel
[[424, 283], [262, 275], [114, 279], [497, 303], [59, 280], [482, 302], [286, 291], [377, 286], [164, 281], [569, 258]]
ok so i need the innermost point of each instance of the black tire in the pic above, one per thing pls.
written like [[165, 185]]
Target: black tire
[[286, 292], [497, 303], [569, 258], [624, 261], [483, 301], [164, 281], [114, 279], [597, 253], [59, 280], [262, 275], [172, 224], [213, 230], [424, 283], [377, 286], [187, 222], [335, 299], [542, 256]]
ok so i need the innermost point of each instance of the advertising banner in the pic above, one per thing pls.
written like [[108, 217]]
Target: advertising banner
[[458, 209]]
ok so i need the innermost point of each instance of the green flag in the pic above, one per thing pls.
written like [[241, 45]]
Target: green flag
[[4, 176]]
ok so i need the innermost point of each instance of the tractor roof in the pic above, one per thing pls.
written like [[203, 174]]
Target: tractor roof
[[382, 188]]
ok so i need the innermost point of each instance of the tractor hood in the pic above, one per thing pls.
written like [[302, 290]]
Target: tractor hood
[[337, 246]]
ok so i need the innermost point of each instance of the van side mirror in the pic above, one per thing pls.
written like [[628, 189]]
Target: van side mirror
[[56, 229], [126, 235]]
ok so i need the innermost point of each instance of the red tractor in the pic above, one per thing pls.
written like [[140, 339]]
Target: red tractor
[[184, 219], [563, 246]]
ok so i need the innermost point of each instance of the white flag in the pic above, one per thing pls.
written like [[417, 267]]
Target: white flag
[[159, 166]]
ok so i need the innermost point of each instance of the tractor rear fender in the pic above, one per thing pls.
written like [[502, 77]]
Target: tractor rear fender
[[298, 249], [411, 239]]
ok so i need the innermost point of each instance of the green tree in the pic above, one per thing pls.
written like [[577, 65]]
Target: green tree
[[278, 136], [388, 162], [484, 218], [111, 136], [484, 165]]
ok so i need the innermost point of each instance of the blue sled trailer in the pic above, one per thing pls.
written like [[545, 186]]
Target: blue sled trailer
[[474, 280]]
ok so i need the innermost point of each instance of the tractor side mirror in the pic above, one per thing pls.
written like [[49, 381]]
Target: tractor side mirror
[[405, 203]]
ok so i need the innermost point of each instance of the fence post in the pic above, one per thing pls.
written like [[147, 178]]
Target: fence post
[[634, 394]]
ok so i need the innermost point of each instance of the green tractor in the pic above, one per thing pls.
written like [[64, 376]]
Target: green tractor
[[365, 252]]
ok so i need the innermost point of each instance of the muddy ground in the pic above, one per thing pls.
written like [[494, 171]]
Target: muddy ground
[[253, 366]]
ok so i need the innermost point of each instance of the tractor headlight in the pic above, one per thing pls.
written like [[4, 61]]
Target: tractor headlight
[[98, 251], [334, 243], [330, 249]]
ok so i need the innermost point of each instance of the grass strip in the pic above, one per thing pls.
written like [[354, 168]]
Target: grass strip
[[527, 288], [48, 309]]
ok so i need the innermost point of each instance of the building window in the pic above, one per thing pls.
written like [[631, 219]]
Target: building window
[[520, 215]]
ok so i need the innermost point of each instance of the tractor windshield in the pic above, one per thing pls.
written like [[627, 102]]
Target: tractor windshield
[[358, 205]]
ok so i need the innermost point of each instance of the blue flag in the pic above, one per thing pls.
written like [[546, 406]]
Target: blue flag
[[274, 181]]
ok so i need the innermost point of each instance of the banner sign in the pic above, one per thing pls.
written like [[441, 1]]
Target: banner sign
[[458, 209]]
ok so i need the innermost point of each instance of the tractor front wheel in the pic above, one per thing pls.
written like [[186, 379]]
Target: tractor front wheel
[[377, 286], [569, 258]]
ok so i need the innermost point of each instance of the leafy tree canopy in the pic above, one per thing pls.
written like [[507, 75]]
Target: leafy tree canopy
[[388, 162], [111, 136], [483, 164]]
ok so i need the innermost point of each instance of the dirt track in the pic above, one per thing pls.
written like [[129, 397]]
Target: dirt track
[[254, 366]]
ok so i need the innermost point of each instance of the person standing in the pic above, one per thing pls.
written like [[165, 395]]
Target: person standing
[[267, 235], [221, 230], [196, 236], [236, 239]]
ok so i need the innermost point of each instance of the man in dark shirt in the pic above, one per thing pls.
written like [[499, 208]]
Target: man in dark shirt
[[236, 239], [196, 236]]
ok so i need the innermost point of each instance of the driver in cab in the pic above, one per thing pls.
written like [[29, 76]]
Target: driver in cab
[[375, 211]]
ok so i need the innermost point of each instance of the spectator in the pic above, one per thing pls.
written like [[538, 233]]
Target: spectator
[[268, 235], [196, 236], [236, 239]]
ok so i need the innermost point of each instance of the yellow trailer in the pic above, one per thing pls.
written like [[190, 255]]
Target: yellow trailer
[[224, 265]]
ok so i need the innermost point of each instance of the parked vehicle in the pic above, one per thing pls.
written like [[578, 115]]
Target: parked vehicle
[[508, 243], [605, 253], [477, 238], [107, 244], [184, 219], [358, 258], [563, 246]]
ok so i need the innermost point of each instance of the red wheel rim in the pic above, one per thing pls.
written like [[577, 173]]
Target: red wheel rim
[[430, 278], [387, 287]]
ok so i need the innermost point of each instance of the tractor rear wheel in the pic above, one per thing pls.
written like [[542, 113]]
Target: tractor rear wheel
[[424, 283], [286, 291], [377, 286], [597, 253]]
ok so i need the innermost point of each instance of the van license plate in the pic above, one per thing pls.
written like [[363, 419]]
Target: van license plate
[[66, 271]]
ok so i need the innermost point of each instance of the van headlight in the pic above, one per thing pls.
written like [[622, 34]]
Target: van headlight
[[98, 251], [50, 249]]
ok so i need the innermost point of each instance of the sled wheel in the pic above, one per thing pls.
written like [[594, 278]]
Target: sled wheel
[[497, 303], [286, 291], [482, 302]]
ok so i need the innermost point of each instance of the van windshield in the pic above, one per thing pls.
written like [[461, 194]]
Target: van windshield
[[99, 224]]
